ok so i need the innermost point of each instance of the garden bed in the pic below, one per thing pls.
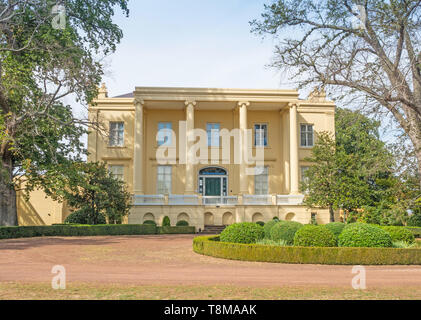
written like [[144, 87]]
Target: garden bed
[[64, 230], [211, 246]]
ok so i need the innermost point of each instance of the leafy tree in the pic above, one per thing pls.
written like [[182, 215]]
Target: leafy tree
[[40, 64], [367, 51], [348, 172], [95, 192]]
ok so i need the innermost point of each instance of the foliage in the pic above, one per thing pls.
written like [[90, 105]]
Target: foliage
[[311, 255], [399, 234], [367, 52], [40, 66], [245, 232], [335, 227], [314, 236], [269, 242], [268, 226], [182, 223], [403, 244], [260, 223], [149, 222], [81, 217], [364, 235], [166, 222], [97, 192], [285, 230]]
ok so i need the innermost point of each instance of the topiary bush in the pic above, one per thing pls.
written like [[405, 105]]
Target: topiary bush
[[314, 236], [150, 222], [166, 222], [182, 223], [364, 235], [81, 217], [268, 226], [400, 234], [414, 220], [335, 227], [245, 232], [285, 230], [260, 223]]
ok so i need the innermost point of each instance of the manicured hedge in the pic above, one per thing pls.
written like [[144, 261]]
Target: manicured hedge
[[244, 232], [268, 226], [182, 223], [415, 230], [364, 235], [335, 227], [314, 236], [210, 246], [285, 230], [399, 234], [88, 230]]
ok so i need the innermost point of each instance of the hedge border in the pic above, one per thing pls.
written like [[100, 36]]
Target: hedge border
[[90, 230], [210, 246]]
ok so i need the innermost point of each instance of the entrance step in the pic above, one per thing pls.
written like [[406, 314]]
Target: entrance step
[[212, 229]]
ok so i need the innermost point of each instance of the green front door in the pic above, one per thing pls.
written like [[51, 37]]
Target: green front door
[[212, 187]]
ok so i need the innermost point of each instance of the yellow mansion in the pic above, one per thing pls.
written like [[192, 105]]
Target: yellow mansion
[[153, 145]]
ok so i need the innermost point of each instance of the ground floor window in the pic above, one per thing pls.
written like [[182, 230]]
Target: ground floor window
[[117, 171], [261, 182], [213, 182], [164, 179]]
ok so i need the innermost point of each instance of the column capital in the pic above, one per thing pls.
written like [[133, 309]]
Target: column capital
[[190, 102], [139, 102], [243, 103], [293, 104]]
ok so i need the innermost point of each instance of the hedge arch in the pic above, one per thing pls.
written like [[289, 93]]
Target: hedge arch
[[227, 218], [148, 216], [290, 216], [209, 218], [257, 217], [183, 216]]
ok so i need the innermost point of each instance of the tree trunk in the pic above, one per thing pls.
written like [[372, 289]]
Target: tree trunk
[[332, 214], [414, 134], [8, 212]]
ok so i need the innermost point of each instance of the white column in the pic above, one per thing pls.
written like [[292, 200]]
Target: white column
[[189, 187], [138, 148], [293, 148], [243, 127]]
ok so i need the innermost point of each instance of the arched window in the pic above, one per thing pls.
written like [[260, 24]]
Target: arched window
[[212, 171]]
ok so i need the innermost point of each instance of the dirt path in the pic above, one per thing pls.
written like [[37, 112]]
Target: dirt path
[[169, 260]]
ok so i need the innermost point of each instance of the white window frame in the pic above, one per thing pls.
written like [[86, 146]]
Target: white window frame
[[261, 182], [306, 135], [116, 134], [164, 178], [164, 136], [261, 140]]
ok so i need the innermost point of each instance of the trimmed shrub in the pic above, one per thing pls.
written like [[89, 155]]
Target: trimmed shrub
[[166, 222], [314, 236], [182, 223], [260, 223], [414, 220], [210, 246], [149, 222], [399, 234], [335, 227], [285, 230], [176, 230], [364, 235], [80, 217], [268, 226], [245, 232], [416, 231]]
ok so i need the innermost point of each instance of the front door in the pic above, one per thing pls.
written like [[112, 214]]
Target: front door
[[212, 187]]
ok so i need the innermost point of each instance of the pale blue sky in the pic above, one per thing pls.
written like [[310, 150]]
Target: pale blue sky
[[201, 43]]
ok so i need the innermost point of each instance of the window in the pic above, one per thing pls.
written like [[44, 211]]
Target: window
[[260, 135], [117, 171], [212, 130], [261, 181], [164, 180], [303, 171], [116, 134], [306, 135], [164, 134]]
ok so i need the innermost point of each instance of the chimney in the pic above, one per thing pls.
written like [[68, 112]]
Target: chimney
[[102, 92]]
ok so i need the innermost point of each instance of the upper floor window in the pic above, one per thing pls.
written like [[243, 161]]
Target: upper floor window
[[261, 181], [164, 137], [212, 130], [117, 171], [307, 137], [260, 135], [116, 134], [164, 179]]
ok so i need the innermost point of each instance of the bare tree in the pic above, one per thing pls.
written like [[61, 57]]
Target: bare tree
[[367, 50]]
